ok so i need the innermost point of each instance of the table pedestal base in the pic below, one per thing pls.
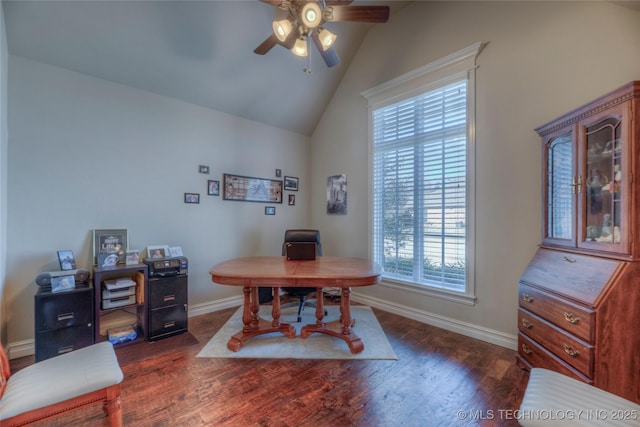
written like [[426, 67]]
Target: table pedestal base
[[339, 328], [253, 325]]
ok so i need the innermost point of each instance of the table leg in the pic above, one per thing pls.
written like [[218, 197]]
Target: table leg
[[340, 328], [254, 325], [319, 306]]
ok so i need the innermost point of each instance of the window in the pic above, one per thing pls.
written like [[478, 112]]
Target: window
[[422, 188]]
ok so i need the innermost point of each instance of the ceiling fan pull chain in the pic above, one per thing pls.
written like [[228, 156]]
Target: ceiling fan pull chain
[[308, 69]]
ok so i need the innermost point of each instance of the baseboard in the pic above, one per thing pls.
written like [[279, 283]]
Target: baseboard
[[449, 324], [217, 305], [20, 349]]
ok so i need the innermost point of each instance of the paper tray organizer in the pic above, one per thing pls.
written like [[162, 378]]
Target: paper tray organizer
[[118, 293]]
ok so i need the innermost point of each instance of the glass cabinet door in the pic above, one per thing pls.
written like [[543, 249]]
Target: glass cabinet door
[[560, 191], [603, 221]]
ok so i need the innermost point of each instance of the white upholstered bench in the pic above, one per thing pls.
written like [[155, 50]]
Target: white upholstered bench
[[60, 384], [553, 399]]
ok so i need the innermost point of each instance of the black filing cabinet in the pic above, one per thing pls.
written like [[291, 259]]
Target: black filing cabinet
[[64, 321], [167, 308]]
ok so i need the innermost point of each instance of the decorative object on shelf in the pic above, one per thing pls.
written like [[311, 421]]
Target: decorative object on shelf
[[192, 198], [161, 251], [291, 183], [251, 189], [292, 199], [278, 173], [305, 22], [110, 241], [107, 260], [63, 283], [67, 260], [133, 257], [213, 188], [204, 169], [269, 210], [175, 251], [337, 194]]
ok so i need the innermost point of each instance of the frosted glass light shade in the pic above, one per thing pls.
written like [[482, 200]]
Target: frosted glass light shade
[[300, 48], [311, 15], [327, 38], [282, 29]]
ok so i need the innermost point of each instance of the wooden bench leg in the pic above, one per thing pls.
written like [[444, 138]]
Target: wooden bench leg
[[113, 407]]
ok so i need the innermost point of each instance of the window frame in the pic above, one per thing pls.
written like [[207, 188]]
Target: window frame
[[458, 66]]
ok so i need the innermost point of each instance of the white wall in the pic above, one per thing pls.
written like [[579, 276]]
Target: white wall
[[542, 60], [4, 54], [85, 153]]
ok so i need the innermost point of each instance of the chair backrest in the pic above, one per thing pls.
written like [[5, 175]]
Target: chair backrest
[[302, 235], [5, 370]]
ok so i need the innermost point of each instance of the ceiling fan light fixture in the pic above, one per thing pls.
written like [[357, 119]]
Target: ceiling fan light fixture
[[282, 29], [311, 14], [327, 38], [300, 48]]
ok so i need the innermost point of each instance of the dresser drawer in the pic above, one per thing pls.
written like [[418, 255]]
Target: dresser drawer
[[168, 320], [571, 317], [60, 341], [536, 356], [167, 291], [573, 351], [61, 310]]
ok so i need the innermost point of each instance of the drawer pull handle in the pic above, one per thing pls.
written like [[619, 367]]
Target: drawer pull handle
[[527, 324], [170, 324], [169, 298], [571, 318], [570, 350], [64, 350], [526, 349], [527, 298], [567, 259], [65, 316]]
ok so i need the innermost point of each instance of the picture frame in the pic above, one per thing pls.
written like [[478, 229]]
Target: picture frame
[[175, 251], [292, 199], [213, 187], [203, 169], [291, 183], [160, 251], [269, 210], [192, 198], [108, 260], [67, 260], [107, 241], [133, 257], [278, 173], [63, 283], [251, 189]]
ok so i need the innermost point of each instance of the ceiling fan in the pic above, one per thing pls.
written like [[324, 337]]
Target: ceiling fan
[[305, 22]]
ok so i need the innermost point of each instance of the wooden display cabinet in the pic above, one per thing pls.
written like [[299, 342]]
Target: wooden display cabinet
[[139, 274], [579, 297]]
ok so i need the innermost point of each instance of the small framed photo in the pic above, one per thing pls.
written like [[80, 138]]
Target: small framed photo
[[269, 210], [175, 251], [204, 169], [63, 283], [157, 251], [110, 241], [292, 199], [213, 188], [108, 260], [278, 173], [291, 183], [192, 197], [67, 261], [133, 257]]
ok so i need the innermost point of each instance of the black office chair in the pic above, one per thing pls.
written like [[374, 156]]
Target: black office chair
[[301, 235]]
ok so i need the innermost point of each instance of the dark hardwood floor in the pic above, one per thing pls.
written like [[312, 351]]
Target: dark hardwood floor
[[440, 379]]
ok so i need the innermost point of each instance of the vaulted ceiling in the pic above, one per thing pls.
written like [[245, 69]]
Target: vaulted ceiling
[[200, 52]]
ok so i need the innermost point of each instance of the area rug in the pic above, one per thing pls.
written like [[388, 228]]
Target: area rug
[[317, 346], [143, 350]]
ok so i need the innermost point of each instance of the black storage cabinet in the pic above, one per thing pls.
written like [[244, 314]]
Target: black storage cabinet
[[64, 321], [167, 306]]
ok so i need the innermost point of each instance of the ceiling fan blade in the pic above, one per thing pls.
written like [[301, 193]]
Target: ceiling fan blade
[[377, 14], [276, 3], [330, 55], [291, 39], [266, 45], [339, 2]]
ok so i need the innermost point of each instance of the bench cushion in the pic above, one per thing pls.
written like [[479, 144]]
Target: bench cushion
[[61, 378], [555, 399]]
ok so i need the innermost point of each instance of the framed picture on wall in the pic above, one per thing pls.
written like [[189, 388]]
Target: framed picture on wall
[[192, 197], [213, 188], [291, 183]]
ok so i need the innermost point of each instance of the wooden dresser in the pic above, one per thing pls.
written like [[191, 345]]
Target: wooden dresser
[[579, 297]]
